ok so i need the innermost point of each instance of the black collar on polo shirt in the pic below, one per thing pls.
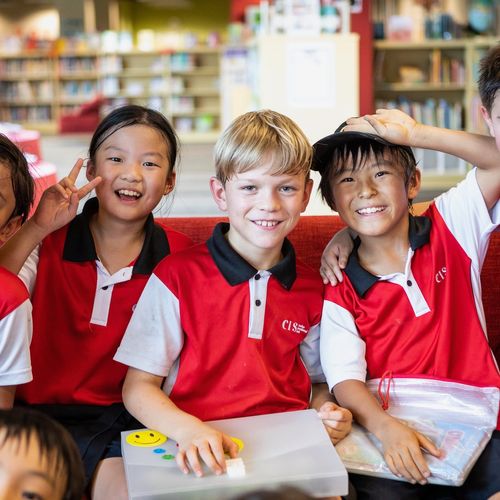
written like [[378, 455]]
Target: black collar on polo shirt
[[79, 245], [236, 269], [361, 279]]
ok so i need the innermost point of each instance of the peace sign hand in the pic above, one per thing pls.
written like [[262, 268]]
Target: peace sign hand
[[59, 203]]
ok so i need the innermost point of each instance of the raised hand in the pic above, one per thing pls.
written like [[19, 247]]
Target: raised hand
[[391, 124], [59, 203]]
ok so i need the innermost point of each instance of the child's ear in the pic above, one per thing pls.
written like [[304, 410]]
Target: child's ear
[[488, 121], [10, 227], [307, 194], [90, 170], [170, 184], [218, 193], [414, 185]]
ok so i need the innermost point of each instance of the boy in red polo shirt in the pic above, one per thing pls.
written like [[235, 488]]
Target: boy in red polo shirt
[[409, 303], [16, 197], [230, 328]]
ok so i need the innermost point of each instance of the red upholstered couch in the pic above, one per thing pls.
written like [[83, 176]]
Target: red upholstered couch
[[314, 231]]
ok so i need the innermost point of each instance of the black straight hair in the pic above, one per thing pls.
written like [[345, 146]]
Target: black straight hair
[[21, 424], [126, 116], [23, 185], [353, 149], [489, 77]]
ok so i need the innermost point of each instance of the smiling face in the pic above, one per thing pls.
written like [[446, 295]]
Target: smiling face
[[262, 210], [25, 473], [134, 165], [373, 199], [146, 438]]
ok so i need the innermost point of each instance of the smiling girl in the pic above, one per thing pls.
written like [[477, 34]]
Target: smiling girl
[[86, 278]]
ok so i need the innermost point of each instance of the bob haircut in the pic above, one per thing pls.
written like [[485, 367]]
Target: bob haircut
[[258, 137], [56, 445], [349, 150]]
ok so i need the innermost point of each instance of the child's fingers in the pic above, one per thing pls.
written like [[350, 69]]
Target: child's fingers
[[73, 173], [415, 465], [180, 458], [230, 447], [74, 201], [390, 463], [335, 416], [330, 276], [335, 435], [68, 185], [85, 190], [211, 454], [194, 460], [428, 445], [406, 467], [376, 124], [60, 189]]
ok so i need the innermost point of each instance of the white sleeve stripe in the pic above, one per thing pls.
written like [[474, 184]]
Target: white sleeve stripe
[[467, 217], [29, 270], [309, 353], [154, 338], [15, 339], [342, 350]]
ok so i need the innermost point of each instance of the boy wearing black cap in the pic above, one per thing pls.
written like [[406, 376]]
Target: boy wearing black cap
[[410, 301]]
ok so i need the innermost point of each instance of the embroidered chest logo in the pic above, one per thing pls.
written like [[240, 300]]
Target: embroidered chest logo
[[441, 275], [293, 326]]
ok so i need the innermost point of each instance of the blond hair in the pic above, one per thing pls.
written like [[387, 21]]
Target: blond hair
[[258, 137]]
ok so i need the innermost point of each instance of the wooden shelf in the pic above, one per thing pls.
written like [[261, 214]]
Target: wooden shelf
[[448, 97], [420, 87], [71, 76]]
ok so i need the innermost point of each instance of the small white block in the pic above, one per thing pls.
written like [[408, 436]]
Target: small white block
[[235, 467]]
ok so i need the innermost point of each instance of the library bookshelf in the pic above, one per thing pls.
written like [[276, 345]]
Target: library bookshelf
[[435, 82], [37, 88]]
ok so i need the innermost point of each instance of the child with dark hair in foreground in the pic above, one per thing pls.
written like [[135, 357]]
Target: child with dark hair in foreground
[[16, 198], [38, 458]]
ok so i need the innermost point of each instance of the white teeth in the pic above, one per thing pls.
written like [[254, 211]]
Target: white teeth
[[126, 192], [266, 223], [370, 210]]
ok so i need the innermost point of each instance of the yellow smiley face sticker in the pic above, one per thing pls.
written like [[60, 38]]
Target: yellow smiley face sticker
[[146, 438]]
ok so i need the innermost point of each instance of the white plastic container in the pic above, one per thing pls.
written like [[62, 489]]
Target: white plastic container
[[289, 448]]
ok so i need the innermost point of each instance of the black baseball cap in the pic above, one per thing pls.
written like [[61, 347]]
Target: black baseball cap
[[322, 149]]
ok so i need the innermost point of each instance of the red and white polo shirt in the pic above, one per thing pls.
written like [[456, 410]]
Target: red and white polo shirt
[[15, 331], [80, 312], [427, 321], [231, 340]]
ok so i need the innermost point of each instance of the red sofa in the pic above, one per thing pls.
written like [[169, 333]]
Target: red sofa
[[314, 231]]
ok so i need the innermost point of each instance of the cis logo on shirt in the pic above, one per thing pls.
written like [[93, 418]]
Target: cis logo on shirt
[[441, 275], [293, 326]]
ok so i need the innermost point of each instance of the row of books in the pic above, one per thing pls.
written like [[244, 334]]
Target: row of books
[[437, 112], [26, 113], [25, 90], [445, 69], [25, 66]]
